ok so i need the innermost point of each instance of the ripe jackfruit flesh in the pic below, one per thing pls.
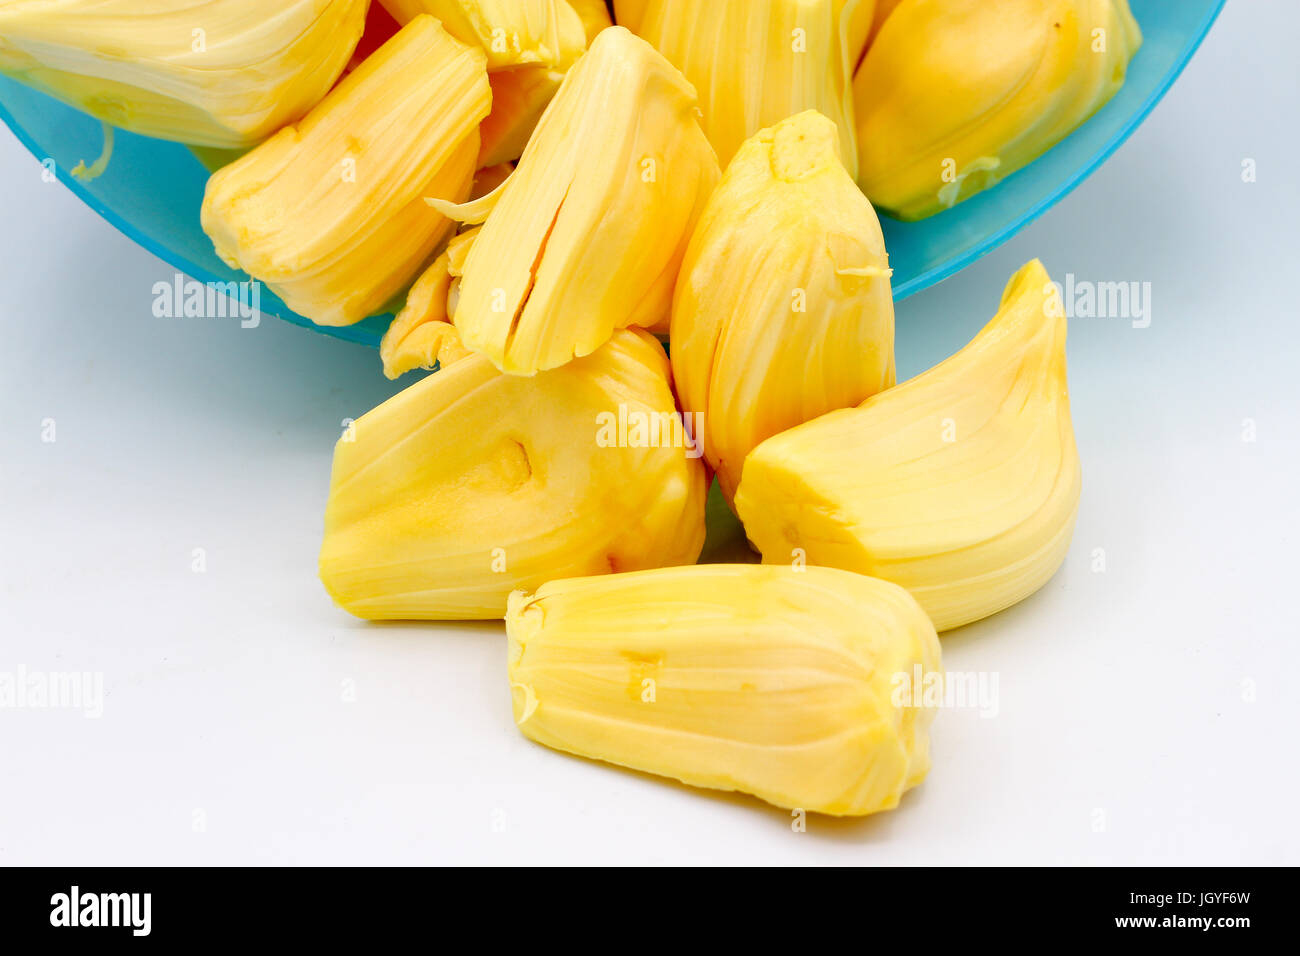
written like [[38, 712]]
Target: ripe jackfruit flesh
[[961, 485], [224, 74], [857, 27], [422, 334], [783, 308], [588, 233], [331, 214], [472, 483], [512, 33], [772, 681], [878, 17], [755, 62], [594, 15], [519, 97], [956, 95]]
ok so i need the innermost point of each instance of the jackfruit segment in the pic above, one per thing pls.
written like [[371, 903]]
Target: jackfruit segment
[[421, 334], [225, 76], [330, 214], [780, 683], [961, 485], [594, 15], [513, 33], [858, 17], [755, 62], [588, 234], [783, 308], [519, 97], [441, 503], [956, 95], [881, 13]]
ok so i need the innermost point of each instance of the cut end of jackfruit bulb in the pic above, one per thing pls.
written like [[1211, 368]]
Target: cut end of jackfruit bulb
[[788, 684], [588, 234], [755, 63], [961, 485], [513, 33], [225, 77], [441, 505], [331, 214], [954, 96], [783, 309]]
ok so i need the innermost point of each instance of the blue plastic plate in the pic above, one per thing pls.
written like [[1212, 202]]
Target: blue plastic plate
[[152, 190]]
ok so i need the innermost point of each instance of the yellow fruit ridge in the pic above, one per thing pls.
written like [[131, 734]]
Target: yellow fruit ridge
[[955, 95], [588, 234], [961, 485], [755, 62], [777, 682], [472, 483], [224, 74], [331, 213], [783, 309]]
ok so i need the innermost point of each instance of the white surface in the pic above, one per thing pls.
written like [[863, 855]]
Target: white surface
[[1124, 732]]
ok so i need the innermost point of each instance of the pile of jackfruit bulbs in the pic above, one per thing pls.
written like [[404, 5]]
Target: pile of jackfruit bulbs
[[546, 190]]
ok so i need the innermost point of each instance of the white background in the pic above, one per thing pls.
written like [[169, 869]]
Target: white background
[[1127, 730]]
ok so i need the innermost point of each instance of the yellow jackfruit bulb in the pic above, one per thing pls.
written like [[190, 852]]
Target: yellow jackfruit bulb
[[956, 95], [519, 97], [472, 483], [860, 17], [783, 310], [512, 33], [226, 75], [961, 485], [594, 15], [422, 334], [331, 213], [755, 62], [878, 17], [588, 233], [788, 684]]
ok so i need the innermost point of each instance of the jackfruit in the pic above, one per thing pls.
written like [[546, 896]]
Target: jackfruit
[[330, 214], [755, 62], [785, 684], [594, 15], [512, 33], [472, 483], [489, 178], [380, 28], [783, 308], [883, 9], [588, 234], [857, 27], [961, 485], [956, 95], [224, 74], [519, 97], [422, 334]]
